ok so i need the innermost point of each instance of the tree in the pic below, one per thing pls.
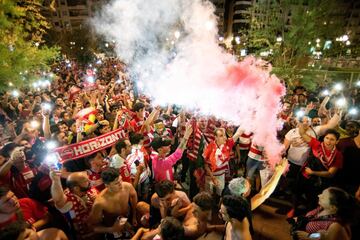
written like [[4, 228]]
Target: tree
[[22, 52], [292, 33]]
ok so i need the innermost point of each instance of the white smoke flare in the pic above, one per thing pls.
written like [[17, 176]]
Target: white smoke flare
[[189, 68]]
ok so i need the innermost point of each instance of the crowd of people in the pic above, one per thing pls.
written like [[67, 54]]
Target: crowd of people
[[172, 174]]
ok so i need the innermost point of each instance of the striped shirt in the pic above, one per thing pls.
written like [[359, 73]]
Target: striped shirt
[[256, 152], [319, 223], [193, 150], [245, 141]]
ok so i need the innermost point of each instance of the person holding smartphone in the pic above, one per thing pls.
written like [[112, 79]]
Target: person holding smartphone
[[332, 220]]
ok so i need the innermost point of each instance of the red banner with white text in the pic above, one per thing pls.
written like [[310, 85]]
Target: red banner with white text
[[90, 146]]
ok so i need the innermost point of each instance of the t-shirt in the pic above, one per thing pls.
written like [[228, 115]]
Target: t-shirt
[[137, 156], [316, 148], [19, 182], [299, 150], [217, 157], [119, 163], [32, 210]]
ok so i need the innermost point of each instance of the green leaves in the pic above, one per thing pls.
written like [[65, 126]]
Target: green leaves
[[297, 24], [21, 26]]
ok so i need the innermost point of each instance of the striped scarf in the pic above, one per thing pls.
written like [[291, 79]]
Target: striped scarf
[[196, 140]]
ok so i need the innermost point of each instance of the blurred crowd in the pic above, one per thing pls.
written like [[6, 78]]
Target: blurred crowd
[[172, 173]]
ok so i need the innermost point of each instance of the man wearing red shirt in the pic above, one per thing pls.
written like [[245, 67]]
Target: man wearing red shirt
[[15, 172], [76, 201], [14, 210], [217, 155], [320, 168], [138, 120]]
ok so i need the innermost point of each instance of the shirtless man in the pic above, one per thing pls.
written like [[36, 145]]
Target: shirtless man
[[111, 206], [169, 202]]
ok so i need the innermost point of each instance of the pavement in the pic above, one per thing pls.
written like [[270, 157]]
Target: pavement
[[269, 220]]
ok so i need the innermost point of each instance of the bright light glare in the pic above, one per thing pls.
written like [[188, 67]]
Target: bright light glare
[[90, 79], [325, 92], [338, 86], [98, 61], [15, 93], [358, 83], [353, 111], [341, 102], [46, 106], [221, 39], [300, 113], [34, 124], [50, 145], [52, 160], [237, 39], [279, 39]]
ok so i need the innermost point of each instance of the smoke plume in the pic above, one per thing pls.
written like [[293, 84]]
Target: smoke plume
[[172, 52]]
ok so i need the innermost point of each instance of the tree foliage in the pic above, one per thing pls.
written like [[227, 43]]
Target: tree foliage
[[22, 53], [292, 32]]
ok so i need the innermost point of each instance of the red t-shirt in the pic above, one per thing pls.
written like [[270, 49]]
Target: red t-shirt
[[218, 157], [32, 210], [19, 182], [316, 148], [136, 124]]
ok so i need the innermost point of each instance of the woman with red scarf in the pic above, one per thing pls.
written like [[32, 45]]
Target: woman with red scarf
[[319, 170]]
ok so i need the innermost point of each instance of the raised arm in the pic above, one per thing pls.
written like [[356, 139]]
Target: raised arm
[[270, 186], [237, 134], [332, 123], [57, 192], [302, 132], [185, 139]]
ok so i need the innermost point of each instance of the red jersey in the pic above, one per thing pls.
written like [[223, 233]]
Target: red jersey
[[78, 209], [217, 157], [32, 210], [19, 182]]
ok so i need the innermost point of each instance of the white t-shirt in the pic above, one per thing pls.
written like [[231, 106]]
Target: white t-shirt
[[299, 150], [116, 161]]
